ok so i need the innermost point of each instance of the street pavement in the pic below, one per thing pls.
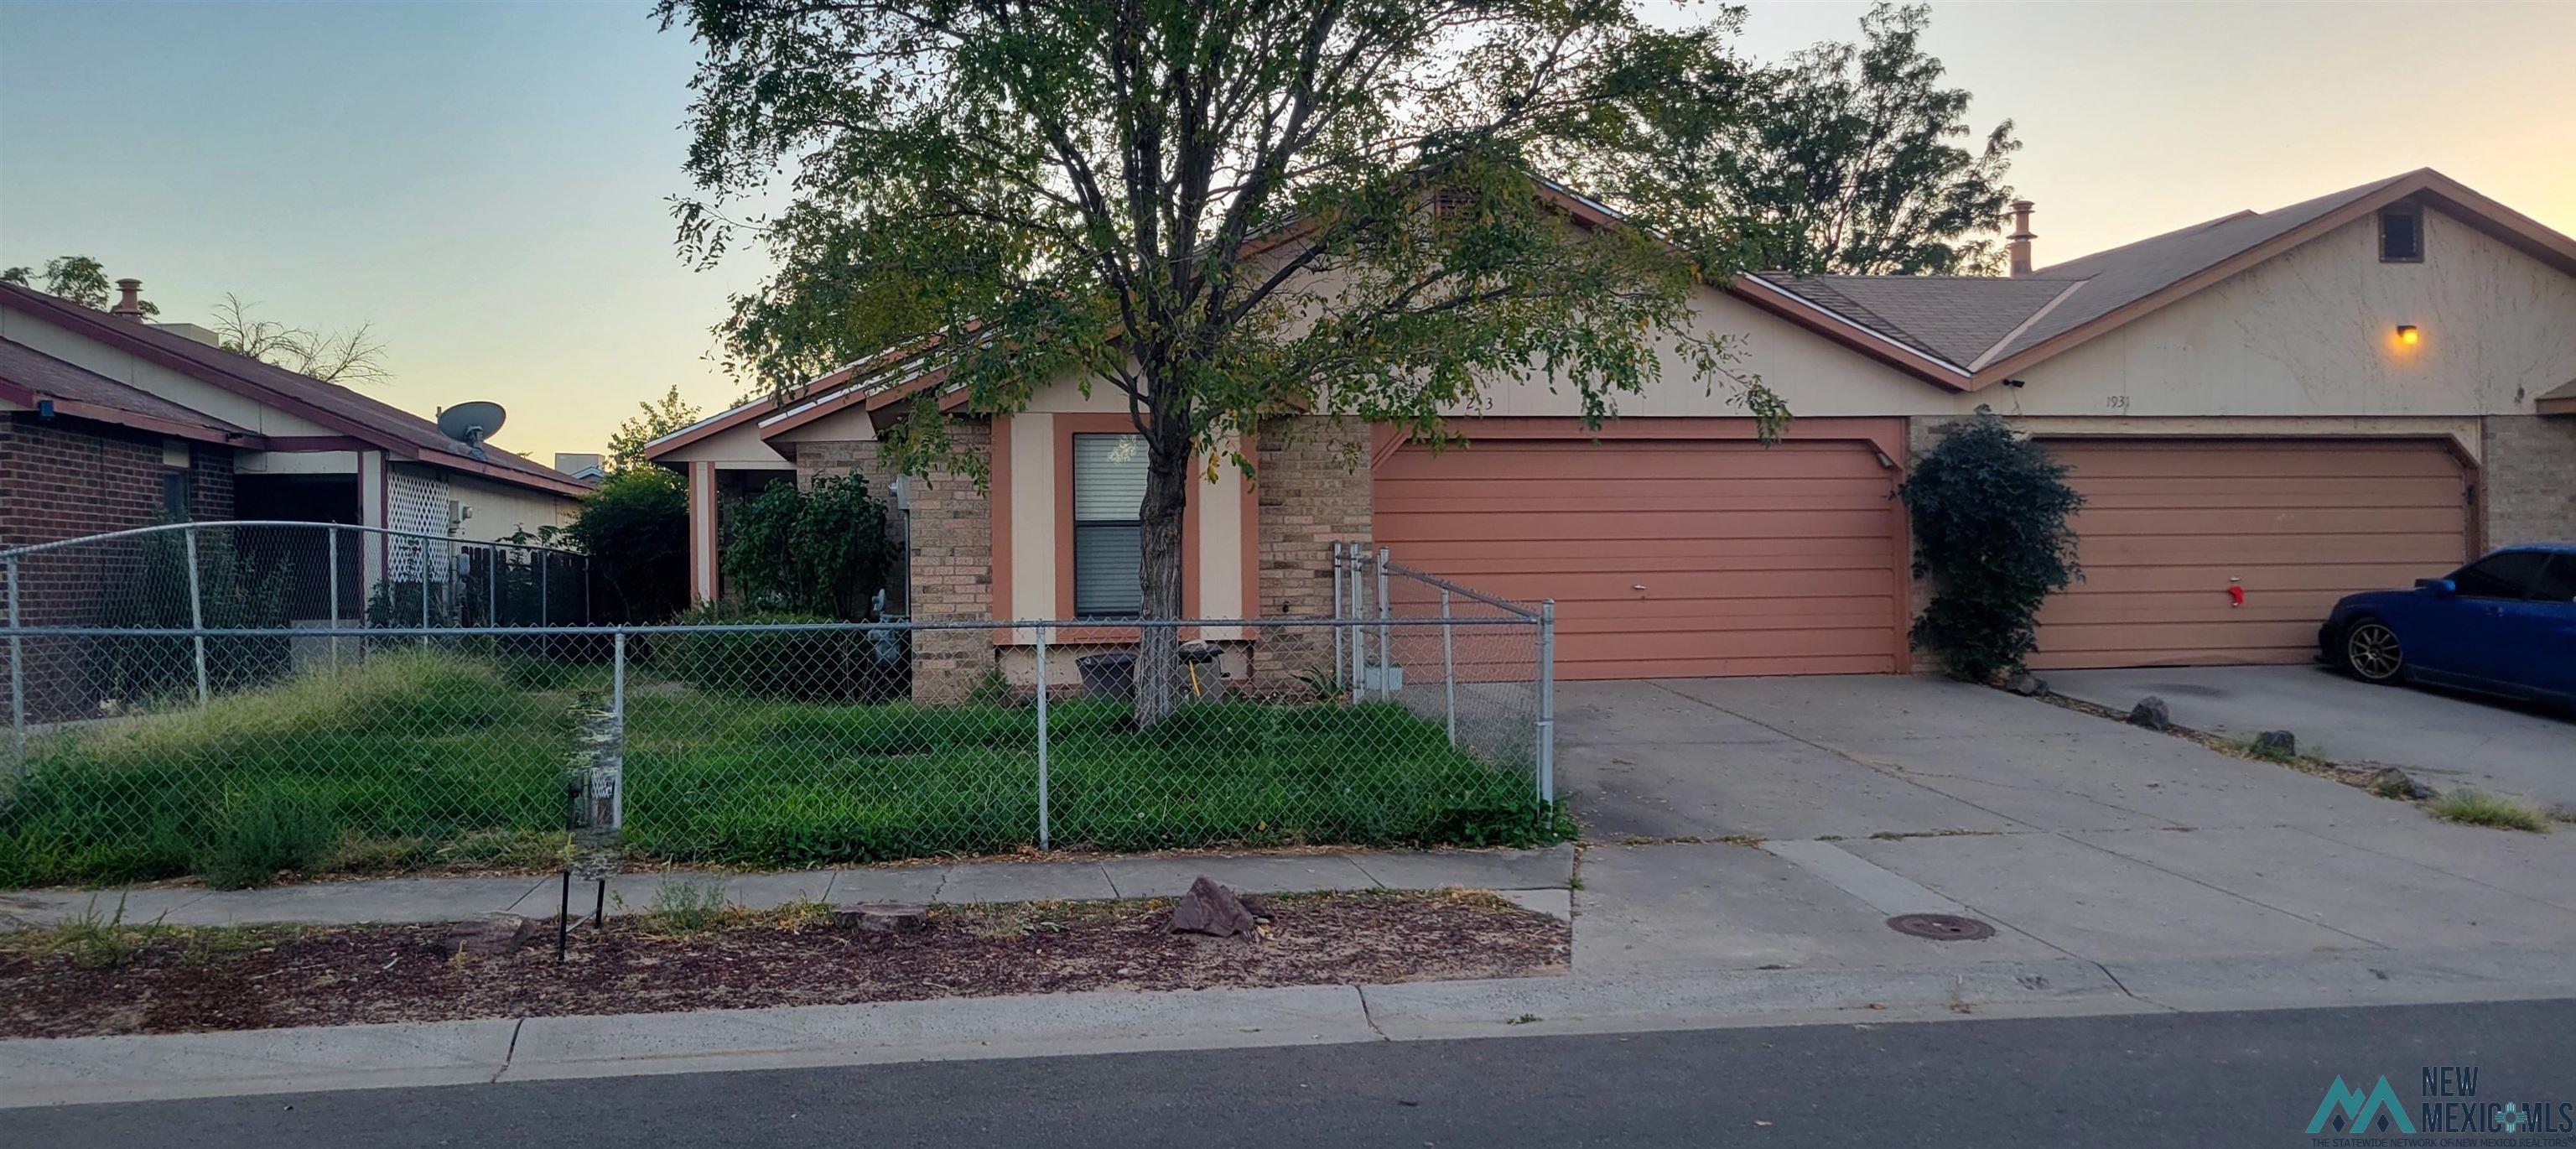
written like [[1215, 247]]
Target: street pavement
[[2239, 1079]]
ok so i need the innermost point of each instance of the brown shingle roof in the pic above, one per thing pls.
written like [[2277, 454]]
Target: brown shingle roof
[[36, 375], [1951, 318]]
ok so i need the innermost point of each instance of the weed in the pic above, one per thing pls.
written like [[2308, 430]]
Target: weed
[[263, 832], [96, 942], [686, 906], [1524, 1019], [2503, 811]]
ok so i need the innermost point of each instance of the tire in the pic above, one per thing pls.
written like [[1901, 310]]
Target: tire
[[2372, 653]]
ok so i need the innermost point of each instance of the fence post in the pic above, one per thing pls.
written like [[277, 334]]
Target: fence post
[[492, 587], [544, 617], [1359, 630], [617, 709], [1339, 662], [196, 612], [1546, 732], [1385, 647], [423, 548], [331, 549], [1449, 664], [1042, 737], [17, 681]]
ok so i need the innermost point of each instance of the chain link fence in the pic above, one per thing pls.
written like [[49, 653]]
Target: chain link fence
[[235, 751]]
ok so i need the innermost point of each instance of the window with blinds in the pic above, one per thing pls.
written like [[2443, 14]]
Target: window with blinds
[[1108, 533]]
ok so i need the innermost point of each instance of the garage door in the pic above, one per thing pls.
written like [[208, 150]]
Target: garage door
[[1666, 557], [2169, 523]]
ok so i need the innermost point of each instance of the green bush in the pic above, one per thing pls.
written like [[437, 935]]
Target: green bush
[[635, 528], [1990, 512], [823, 551], [817, 665]]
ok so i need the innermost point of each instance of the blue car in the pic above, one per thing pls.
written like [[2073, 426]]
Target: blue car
[[2503, 625]]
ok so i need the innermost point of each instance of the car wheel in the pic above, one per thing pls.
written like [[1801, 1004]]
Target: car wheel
[[2372, 652]]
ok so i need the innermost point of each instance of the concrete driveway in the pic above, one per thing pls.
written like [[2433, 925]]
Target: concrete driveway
[[2450, 740], [1816, 808]]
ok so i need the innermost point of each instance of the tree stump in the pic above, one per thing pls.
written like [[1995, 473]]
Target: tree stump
[[1212, 909], [491, 935], [882, 917]]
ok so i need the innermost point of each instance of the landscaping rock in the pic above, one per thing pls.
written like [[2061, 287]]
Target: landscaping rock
[[882, 917], [2150, 712], [491, 935], [2027, 685], [2278, 743], [1212, 909], [2391, 782]]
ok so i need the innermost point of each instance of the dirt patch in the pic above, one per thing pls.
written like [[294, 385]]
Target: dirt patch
[[181, 981]]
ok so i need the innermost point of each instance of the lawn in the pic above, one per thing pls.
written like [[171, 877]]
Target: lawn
[[422, 758]]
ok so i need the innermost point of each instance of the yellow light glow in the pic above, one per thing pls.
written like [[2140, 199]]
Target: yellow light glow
[[2407, 334]]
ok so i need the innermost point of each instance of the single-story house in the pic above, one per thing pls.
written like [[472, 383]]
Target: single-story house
[[2344, 393], [109, 421]]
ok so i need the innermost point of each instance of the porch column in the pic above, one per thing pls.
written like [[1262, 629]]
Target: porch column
[[702, 532]]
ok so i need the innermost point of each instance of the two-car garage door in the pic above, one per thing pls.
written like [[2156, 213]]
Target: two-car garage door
[[2171, 525], [1667, 556]]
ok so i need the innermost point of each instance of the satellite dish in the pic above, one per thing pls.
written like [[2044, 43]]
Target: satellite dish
[[471, 423]]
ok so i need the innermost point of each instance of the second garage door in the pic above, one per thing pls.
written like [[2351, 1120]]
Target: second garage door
[[1666, 557], [2170, 525]]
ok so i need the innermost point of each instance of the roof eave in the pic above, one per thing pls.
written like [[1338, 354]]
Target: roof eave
[[1822, 321]]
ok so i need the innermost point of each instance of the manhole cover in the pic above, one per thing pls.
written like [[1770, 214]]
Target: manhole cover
[[1941, 927]]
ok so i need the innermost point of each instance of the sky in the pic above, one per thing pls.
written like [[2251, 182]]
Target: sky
[[487, 184]]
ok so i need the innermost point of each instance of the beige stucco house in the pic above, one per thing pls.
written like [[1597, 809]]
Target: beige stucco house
[[2265, 410]]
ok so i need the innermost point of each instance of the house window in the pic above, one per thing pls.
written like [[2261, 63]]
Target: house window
[[175, 489], [1108, 528], [2401, 234]]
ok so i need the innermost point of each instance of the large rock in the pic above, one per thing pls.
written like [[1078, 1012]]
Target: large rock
[[491, 935], [2027, 685], [2277, 744], [2151, 712], [1212, 909]]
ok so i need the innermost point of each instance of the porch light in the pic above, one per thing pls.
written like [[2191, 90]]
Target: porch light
[[2407, 334]]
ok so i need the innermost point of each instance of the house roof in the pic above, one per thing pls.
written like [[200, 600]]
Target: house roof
[[378, 424], [1993, 327], [2560, 400], [29, 377]]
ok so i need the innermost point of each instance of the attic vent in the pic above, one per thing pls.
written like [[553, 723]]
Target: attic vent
[[2401, 233]]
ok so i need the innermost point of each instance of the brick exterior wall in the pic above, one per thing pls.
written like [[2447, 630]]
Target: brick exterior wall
[[1311, 479], [2528, 484], [951, 569]]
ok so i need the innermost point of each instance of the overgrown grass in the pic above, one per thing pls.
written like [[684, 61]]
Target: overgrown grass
[[407, 745], [421, 758], [2503, 811]]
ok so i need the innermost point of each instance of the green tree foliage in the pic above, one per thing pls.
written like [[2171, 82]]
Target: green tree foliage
[[822, 551], [1038, 188], [1851, 159], [653, 420], [635, 528], [1990, 513], [78, 278]]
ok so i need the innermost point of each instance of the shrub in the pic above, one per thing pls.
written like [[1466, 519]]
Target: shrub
[[635, 528], [822, 551], [814, 665], [1990, 513]]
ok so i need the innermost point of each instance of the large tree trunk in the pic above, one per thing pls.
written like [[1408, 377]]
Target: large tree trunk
[[1158, 656]]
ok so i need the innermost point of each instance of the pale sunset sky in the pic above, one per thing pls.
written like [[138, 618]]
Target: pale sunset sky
[[486, 183]]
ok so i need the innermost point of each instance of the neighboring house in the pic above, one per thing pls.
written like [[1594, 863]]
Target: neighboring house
[[2341, 394], [109, 422], [585, 468]]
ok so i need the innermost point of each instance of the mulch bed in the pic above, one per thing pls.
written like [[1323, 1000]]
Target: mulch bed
[[194, 980]]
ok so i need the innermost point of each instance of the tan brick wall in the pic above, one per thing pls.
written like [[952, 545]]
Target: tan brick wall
[[1311, 478], [816, 458], [2528, 481], [952, 572]]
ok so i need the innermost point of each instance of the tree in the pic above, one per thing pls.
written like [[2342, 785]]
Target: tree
[[1990, 512], [1849, 162], [635, 528], [78, 278], [822, 551], [654, 420], [342, 357], [1224, 212]]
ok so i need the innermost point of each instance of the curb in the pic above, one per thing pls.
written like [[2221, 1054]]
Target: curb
[[89, 1070]]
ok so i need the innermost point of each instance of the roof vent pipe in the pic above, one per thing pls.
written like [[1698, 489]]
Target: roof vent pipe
[[131, 306], [2021, 238]]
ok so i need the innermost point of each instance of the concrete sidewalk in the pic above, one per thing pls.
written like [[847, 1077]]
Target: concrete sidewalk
[[1537, 879], [136, 1068]]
